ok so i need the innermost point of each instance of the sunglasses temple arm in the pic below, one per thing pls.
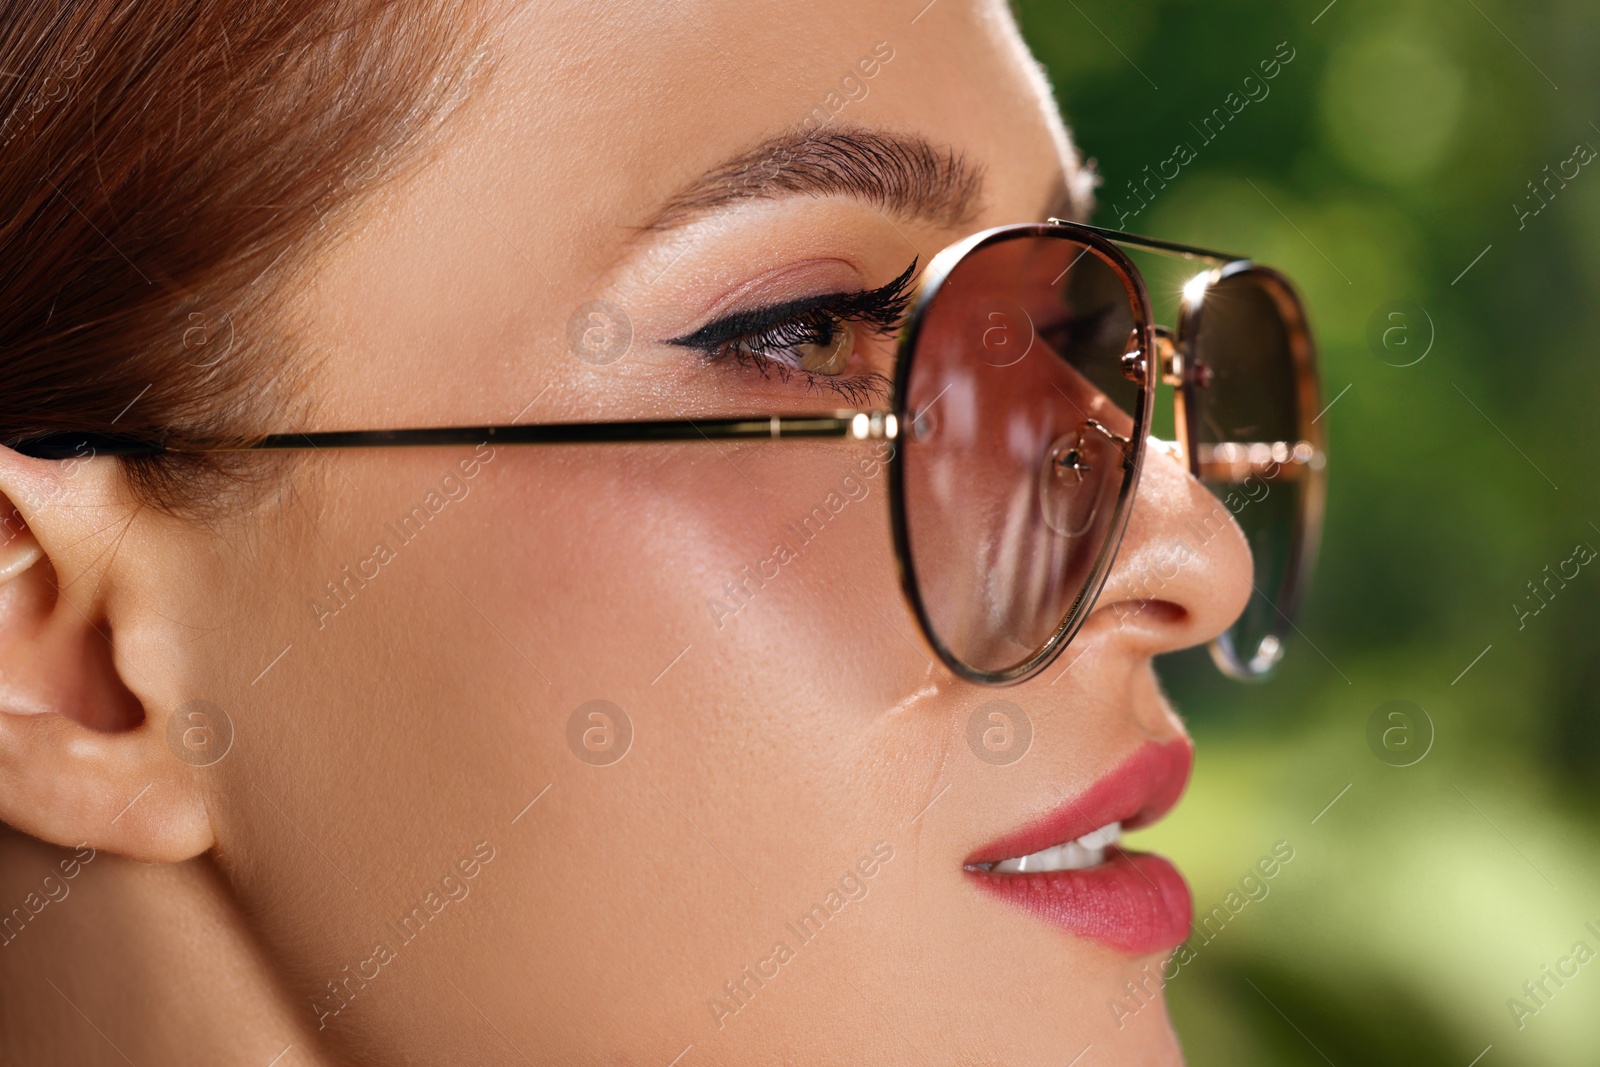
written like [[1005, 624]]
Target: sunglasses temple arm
[[850, 425]]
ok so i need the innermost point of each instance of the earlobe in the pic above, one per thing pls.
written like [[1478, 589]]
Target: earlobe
[[80, 762]]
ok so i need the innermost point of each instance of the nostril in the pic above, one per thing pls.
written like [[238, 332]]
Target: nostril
[[1159, 613]]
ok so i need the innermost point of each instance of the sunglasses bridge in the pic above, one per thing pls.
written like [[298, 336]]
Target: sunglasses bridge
[[1169, 361]]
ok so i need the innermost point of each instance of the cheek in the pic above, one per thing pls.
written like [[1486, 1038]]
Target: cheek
[[650, 579], [751, 557], [603, 571], [445, 686]]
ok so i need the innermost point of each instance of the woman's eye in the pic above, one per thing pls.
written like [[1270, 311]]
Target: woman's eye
[[831, 355], [817, 348], [823, 338]]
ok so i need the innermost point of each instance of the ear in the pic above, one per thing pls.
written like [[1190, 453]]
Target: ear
[[83, 760]]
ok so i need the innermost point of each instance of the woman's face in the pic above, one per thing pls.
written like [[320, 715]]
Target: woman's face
[[403, 639]]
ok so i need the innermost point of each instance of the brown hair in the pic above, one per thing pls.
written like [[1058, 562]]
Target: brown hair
[[164, 165]]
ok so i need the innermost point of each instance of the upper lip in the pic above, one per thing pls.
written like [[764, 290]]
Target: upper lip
[[1137, 792]]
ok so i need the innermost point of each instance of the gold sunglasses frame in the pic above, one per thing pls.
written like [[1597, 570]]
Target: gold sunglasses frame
[[1157, 352]]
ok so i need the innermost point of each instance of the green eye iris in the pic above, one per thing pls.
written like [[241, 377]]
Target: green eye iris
[[832, 356]]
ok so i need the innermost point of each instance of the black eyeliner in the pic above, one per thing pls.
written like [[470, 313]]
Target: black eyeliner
[[880, 306]]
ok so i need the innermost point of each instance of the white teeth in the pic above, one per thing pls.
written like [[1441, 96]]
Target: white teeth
[[1087, 851], [1106, 835]]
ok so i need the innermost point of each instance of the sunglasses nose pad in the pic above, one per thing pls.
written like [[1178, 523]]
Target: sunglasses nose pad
[[1070, 478]]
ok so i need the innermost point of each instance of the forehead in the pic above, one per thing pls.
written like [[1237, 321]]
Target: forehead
[[593, 121], [611, 115]]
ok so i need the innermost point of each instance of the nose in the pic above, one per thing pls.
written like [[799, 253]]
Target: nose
[[1183, 572]]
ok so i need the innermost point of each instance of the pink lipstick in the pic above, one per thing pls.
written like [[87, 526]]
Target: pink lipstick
[[1068, 868]]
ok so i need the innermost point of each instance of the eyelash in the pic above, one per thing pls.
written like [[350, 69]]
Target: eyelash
[[755, 338]]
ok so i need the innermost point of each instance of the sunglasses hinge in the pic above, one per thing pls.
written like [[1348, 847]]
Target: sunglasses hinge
[[1169, 360]]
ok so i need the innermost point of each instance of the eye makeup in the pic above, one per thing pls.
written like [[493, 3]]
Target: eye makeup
[[816, 338]]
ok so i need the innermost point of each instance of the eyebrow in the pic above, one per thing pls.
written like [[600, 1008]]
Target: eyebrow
[[901, 174]]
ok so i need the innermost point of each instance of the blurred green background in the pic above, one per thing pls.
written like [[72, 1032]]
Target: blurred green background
[[1386, 163]]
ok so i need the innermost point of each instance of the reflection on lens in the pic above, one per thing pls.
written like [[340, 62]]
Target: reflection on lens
[[1248, 427], [1073, 486], [1021, 444]]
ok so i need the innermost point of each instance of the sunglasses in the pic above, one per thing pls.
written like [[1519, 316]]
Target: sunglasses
[[1020, 419]]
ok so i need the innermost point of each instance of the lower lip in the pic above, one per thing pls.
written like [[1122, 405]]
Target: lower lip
[[1135, 902]]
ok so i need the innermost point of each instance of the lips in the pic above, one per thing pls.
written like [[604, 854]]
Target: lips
[[1065, 868]]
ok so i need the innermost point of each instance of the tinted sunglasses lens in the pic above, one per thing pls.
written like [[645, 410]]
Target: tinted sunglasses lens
[[1018, 444], [1249, 426]]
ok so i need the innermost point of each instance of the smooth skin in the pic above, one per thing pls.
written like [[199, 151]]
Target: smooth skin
[[400, 739]]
